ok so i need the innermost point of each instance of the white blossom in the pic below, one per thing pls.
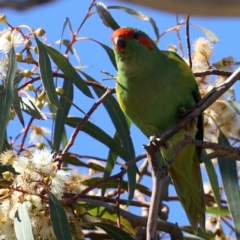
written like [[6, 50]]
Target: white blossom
[[42, 160], [38, 134], [5, 43]]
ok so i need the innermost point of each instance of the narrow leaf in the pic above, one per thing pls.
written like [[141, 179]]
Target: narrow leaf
[[223, 211], [139, 15], [234, 105], [22, 223], [46, 74], [113, 232], [105, 15], [104, 213], [108, 50], [200, 234], [212, 177], [228, 171], [62, 113], [113, 184], [209, 34], [68, 70], [71, 49], [6, 95], [66, 22], [111, 160], [77, 162], [30, 108], [59, 219], [17, 106], [97, 133], [119, 120]]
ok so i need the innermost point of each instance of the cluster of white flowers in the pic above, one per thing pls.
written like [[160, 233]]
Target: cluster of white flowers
[[36, 175], [220, 115], [9, 38]]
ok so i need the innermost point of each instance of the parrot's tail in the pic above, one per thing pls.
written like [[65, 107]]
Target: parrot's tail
[[189, 188]]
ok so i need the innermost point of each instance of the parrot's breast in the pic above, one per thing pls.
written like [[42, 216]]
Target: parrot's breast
[[152, 96]]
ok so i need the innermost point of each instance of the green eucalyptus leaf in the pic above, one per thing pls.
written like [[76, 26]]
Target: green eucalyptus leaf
[[108, 50], [105, 15], [46, 74], [228, 172], [62, 113], [213, 178], [6, 95], [68, 70], [17, 106], [30, 108], [59, 219], [97, 133], [139, 15], [122, 126], [113, 232]]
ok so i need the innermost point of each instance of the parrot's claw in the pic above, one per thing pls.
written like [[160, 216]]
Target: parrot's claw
[[183, 112], [155, 139]]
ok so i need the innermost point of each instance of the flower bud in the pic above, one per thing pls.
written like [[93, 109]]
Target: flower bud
[[30, 87], [39, 32], [27, 43], [39, 104], [29, 58], [35, 49], [19, 56], [8, 176], [41, 95], [40, 145], [3, 18], [8, 35], [27, 73], [4, 191], [12, 114], [59, 90], [80, 210]]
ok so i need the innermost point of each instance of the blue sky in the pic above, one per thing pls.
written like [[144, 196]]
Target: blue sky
[[94, 59]]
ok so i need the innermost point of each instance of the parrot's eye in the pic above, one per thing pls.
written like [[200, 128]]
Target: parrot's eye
[[136, 35]]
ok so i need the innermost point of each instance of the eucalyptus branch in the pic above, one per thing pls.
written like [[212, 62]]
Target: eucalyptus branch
[[220, 150], [85, 119], [157, 179], [213, 72], [142, 203], [137, 221]]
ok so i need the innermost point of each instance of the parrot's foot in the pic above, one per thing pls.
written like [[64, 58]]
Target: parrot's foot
[[155, 139], [184, 112]]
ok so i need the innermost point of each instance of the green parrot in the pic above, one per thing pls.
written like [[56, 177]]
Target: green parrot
[[152, 86]]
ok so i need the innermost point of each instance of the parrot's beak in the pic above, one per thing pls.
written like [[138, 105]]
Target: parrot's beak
[[120, 44]]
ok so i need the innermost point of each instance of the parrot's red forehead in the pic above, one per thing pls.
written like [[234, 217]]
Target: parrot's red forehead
[[127, 33], [122, 32]]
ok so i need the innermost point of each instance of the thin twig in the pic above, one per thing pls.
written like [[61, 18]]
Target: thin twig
[[118, 202], [213, 72], [25, 134], [85, 119], [188, 42]]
